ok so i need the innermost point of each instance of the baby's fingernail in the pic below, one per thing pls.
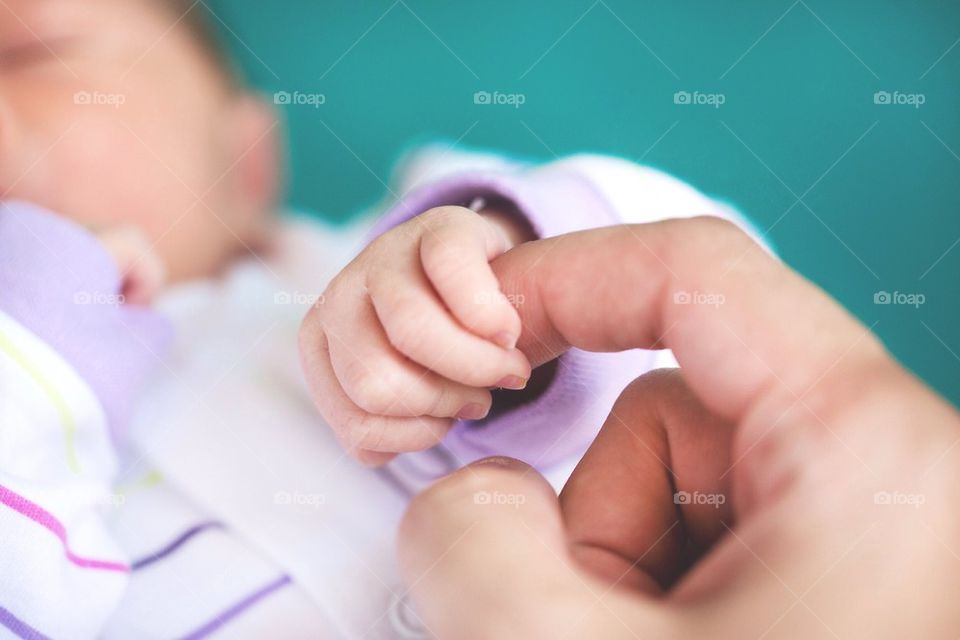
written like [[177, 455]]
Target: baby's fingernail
[[505, 339], [472, 411], [512, 382]]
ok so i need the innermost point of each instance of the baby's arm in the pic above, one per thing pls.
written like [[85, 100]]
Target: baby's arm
[[71, 360]]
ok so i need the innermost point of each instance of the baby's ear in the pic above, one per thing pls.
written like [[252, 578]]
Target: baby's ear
[[253, 142]]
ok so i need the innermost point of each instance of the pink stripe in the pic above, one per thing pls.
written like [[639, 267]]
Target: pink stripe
[[47, 520]]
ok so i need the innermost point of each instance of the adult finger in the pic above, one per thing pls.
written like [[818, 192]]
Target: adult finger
[[760, 346], [651, 493], [823, 419], [485, 555]]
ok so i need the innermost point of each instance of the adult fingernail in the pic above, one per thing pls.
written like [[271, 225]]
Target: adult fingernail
[[505, 339], [472, 411], [501, 461], [512, 382]]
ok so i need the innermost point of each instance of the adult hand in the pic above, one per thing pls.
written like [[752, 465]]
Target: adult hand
[[793, 481]]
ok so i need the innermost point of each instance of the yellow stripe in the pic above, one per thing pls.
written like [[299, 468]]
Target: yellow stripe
[[151, 479], [55, 397]]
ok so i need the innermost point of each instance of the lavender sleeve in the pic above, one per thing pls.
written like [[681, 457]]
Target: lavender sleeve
[[57, 281], [563, 419]]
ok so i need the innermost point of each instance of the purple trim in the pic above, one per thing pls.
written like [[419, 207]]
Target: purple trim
[[18, 627], [562, 421], [229, 614], [58, 281], [178, 542], [554, 200]]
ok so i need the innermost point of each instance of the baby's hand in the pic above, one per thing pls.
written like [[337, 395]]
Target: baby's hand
[[141, 270], [413, 333]]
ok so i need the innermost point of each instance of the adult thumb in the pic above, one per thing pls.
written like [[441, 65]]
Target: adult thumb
[[485, 555]]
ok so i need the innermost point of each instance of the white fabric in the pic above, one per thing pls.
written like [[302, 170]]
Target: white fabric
[[39, 584]]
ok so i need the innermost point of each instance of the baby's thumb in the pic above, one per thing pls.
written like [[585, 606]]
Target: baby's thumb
[[484, 554]]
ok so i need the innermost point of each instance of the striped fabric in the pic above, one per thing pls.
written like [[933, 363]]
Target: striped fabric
[[43, 518], [63, 573], [192, 576], [82, 558]]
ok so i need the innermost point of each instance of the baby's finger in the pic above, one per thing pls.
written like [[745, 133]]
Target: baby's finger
[[141, 270], [419, 326], [357, 430], [381, 381], [456, 251]]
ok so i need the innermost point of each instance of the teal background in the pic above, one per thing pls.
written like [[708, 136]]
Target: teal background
[[857, 196]]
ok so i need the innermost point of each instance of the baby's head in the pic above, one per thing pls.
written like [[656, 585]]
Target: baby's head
[[124, 112]]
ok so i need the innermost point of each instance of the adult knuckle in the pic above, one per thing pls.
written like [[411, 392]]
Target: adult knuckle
[[701, 249], [867, 390], [719, 233]]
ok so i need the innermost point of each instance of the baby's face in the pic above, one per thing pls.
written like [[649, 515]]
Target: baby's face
[[110, 114]]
